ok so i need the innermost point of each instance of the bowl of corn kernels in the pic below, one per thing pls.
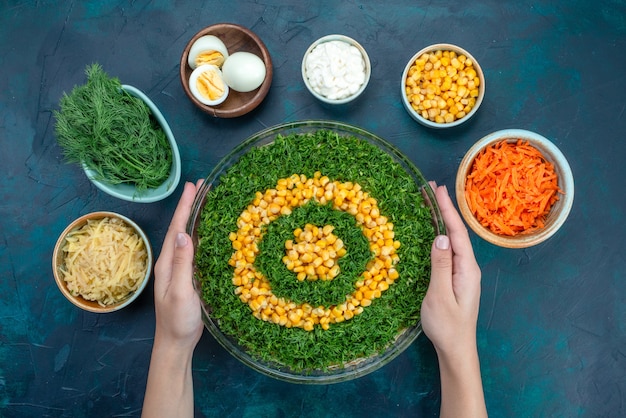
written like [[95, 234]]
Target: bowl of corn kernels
[[442, 86]]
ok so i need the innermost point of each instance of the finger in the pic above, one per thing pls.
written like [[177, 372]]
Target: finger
[[180, 217], [178, 224], [441, 266], [182, 263], [464, 261], [183, 209], [455, 227]]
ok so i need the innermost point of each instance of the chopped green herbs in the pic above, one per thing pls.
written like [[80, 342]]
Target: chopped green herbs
[[342, 158], [112, 133], [315, 293]]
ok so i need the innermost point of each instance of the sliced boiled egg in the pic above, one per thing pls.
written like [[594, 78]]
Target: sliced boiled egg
[[243, 71], [207, 85], [207, 49]]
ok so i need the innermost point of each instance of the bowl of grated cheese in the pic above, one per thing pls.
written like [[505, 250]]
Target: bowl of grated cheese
[[102, 262]]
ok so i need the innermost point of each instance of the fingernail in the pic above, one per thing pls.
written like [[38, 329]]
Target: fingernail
[[181, 240], [442, 242]]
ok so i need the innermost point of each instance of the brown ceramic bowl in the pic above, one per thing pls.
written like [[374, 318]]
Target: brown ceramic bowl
[[559, 211], [236, 38], [58, 260]]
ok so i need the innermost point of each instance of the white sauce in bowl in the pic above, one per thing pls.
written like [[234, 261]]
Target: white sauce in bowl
[[335, 69]]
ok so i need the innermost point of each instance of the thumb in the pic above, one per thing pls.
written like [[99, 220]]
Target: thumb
[[441, 260], [182, 265]]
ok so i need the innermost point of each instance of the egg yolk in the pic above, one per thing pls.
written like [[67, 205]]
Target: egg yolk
[[210, 85], [210, 57]]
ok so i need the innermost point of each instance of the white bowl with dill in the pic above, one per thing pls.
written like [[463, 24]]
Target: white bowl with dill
[[120, 139]]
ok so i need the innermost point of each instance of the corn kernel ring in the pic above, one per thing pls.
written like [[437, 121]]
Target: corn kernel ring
[[254, 288]]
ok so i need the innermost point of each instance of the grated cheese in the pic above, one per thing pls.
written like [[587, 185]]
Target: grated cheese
[[105, 261]]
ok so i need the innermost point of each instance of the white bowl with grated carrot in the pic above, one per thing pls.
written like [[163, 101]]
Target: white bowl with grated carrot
[[514, 188]]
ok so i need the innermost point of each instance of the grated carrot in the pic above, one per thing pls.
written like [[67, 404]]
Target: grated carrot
[[511, 188]]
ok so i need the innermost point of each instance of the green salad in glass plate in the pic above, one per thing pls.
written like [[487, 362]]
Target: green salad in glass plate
[[313, 247]]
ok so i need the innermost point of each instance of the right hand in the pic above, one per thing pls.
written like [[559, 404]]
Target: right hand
[[450, 307]]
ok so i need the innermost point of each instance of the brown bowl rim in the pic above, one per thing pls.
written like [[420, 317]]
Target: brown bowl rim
[[79, 301], [256, 96], [558, 213]]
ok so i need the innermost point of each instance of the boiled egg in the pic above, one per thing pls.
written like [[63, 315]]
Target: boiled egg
[[243, 71], [207, 49], [207, 85]]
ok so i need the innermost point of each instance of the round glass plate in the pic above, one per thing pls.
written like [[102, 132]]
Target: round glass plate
[[213, 248]]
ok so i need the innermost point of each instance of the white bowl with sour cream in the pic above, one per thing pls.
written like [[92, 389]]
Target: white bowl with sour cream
[[336, 69]]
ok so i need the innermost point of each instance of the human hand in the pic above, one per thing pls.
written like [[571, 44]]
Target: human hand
[[450, 312], [177, 306], [450, 307], [169, 389]]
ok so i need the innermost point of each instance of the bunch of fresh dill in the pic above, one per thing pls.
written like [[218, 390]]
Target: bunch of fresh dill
[[112, 133]]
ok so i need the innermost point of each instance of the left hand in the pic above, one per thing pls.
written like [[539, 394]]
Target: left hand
[[177, 305]]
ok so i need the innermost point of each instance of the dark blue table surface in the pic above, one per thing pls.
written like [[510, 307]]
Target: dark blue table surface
[[552, 325]]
